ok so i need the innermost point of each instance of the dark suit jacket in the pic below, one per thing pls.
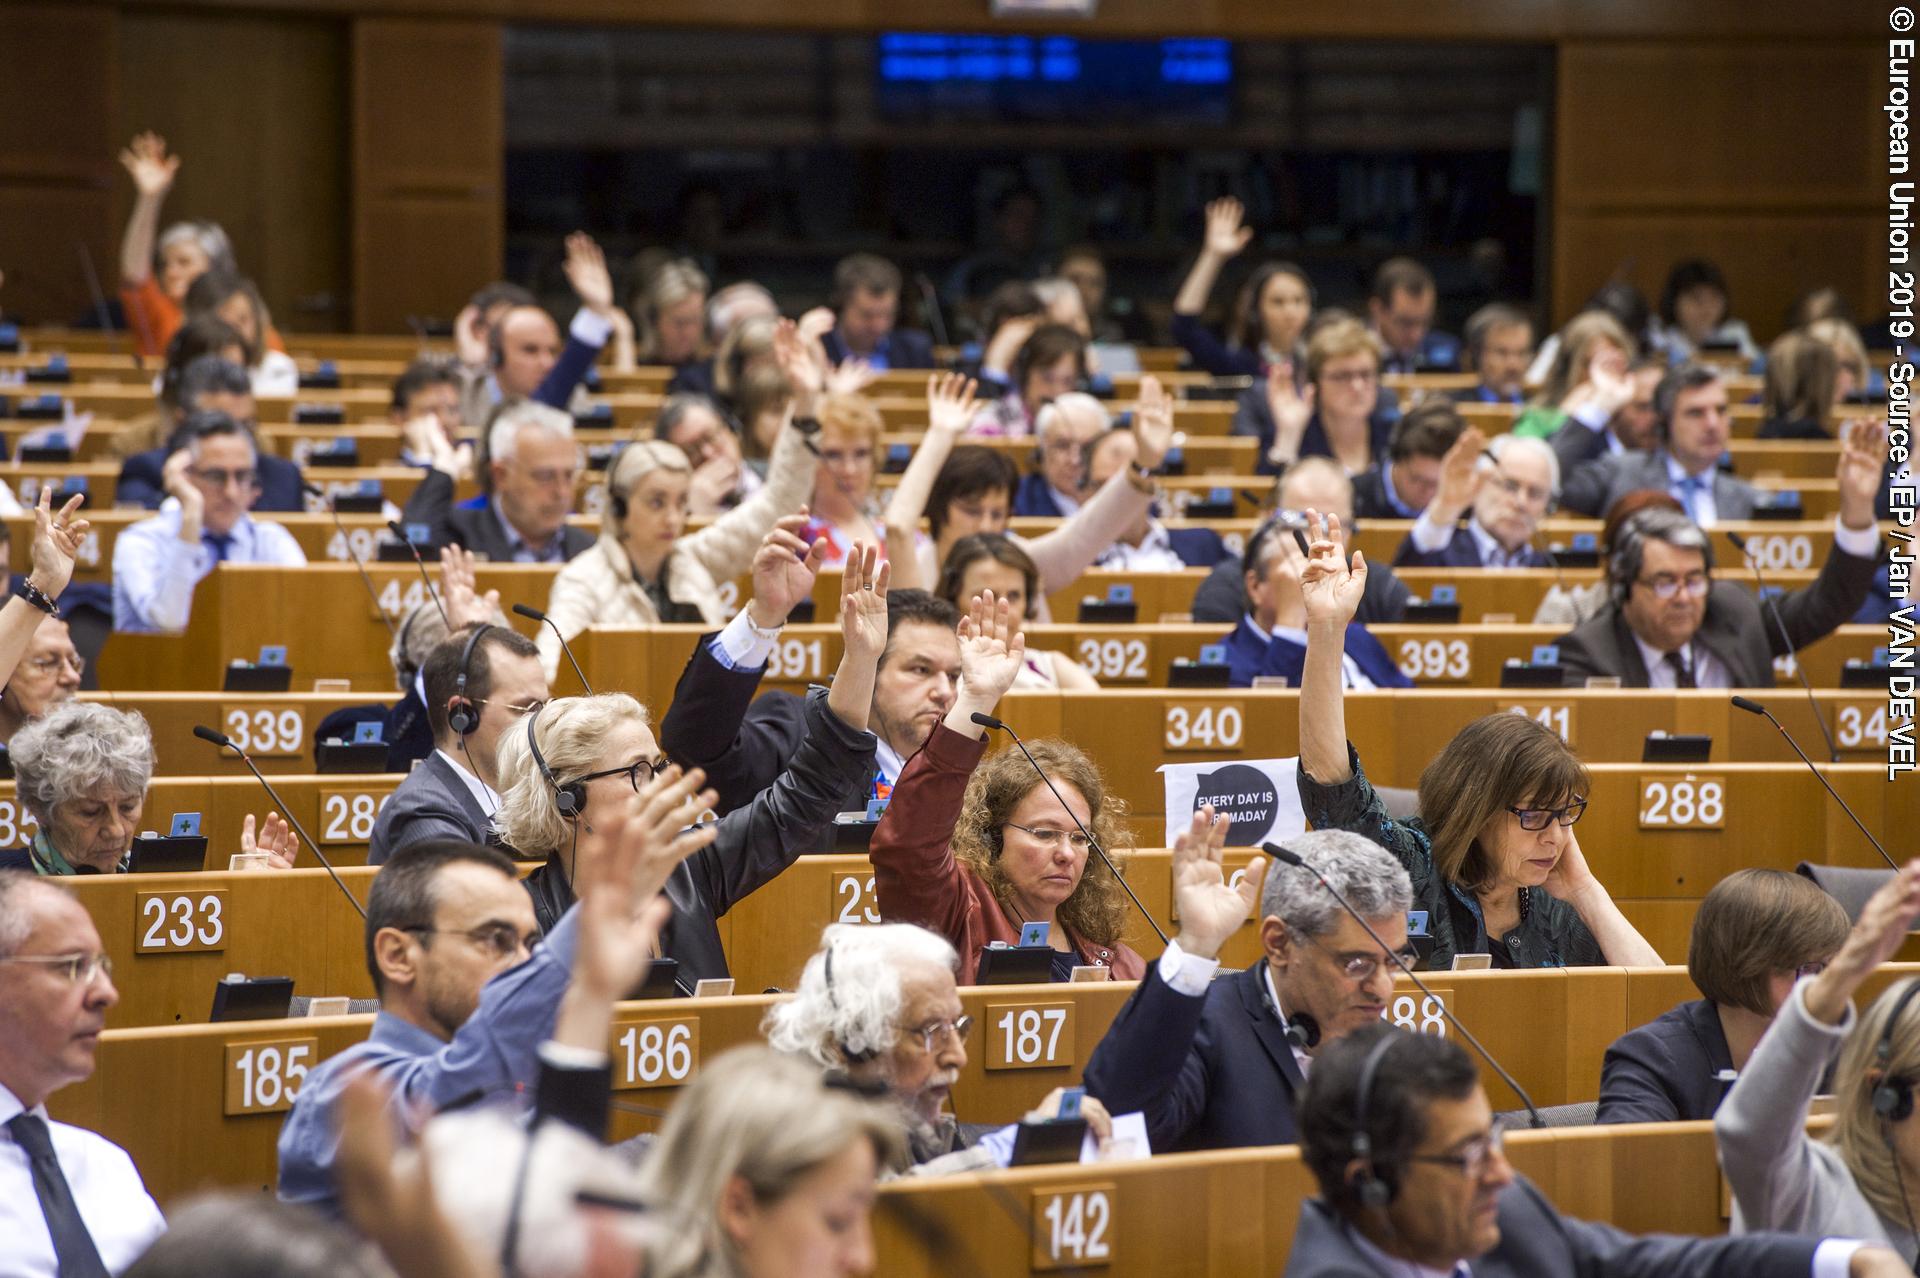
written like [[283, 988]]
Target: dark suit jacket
[[1576, 446], [1197, 547], [1370, 498], [1664, 1071], [1461, 551], [140, 482], [1591, 488], [1033, 499], [1254, 416], [906, 348], [1214, 1072], [1736, 630], [477, 530], [407, 732], [432, 803], [1536, 1241], [1222, 597]]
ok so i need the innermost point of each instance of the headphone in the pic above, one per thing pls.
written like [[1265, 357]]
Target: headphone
[[1489, 461], [852, 1057], [1373, 1184], [568, 800], [463, 718], [1893, 1096]]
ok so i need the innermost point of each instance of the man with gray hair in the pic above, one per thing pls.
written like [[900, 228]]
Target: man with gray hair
[[1506, 487], [1219, 1064], [71, 1201], [533, 462], [1066, 427]]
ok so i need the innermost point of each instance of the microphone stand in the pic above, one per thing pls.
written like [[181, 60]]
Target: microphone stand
[[1772, 608], [393, 525], [346, 542], [534, 614], [223, 740]]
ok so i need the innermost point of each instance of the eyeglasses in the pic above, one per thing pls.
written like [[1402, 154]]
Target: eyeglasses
[[1051, 838], [1514, 488], [79, 969], [243, 479], [633, 770], [1473, 1156], [933, 1033], [1664, 587], [552, 477], [497, 939], [56, 662], [1361, 967], [1353, 377], [531, 707], [1536, 819], [841, 459]]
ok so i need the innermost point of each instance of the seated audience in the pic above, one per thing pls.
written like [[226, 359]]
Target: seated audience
[[1499, 348], [762, 404], [473, 331], [1585, 384], [580, 759], [39, 666], [186, 250], [1270, 640], [47, 674], [426, 408], [534, 462], [1007, 319], [1313, 483], [1400, 308], [477, 684], [1340, 413], [847, 445], [1112, 320], [405, 726], [213, 481], [1853, 1180], [1147, 545], [1493, 858], [235, 300], [646, 570], [866, 304], [995, 562], [1628, 308], [1269, 314], [1802, 387], [669, 312], [1052, 362], [1505, 486], [1401, 485], [1856, 379], [1696, 315], [206, 384], [1671, 625], [1219, 1063], [81, 773], [721, 478], [972, 851], [71, 1201], [1406, 1151], [1690, 437], [1066, 429], [1633, 426], [766, 1171], [740, 324], [1754, 935], [1573, 606]]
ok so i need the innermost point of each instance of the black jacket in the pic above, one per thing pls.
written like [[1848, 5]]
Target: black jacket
[[1667, 1070], [477, 530], [754, 844]]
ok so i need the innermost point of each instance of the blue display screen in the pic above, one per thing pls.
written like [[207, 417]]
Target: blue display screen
[[1017, 77]]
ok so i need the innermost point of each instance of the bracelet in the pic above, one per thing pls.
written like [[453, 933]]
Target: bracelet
[[1141, 478], [37, 597], [768, 635]]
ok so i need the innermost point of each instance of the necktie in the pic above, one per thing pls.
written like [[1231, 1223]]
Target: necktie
[[73, 1250], [221, 544], [1691, 489], [1682, 670]]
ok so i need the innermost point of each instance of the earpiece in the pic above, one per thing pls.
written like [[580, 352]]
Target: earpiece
[[568, 800], [1373, 1184], [852, 1057], [462, 717], [1892, 1096], [496, 349]]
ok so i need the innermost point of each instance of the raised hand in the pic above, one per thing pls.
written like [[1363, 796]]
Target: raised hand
[[470, 336], [1007, 341], [1153, 423], [784, 569], [863, 603], [950, 403], [657, 832], [816, 324], [1211, 909], [1461, 475], [992, 651], [586, 269], [275, 839], [57, 539], [147, 161], [1227, 233], [850, 376], [797, 364], [1860, 470], [180, 486], [459, 590], [1882, 928], [1608, 386], [1292, 409], [1330, 586]]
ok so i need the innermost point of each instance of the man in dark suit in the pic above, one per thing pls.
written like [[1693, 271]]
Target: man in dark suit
[[1400, 486], [1218, 1064], [209, 383], [1597, 430], [1690, 437], [1671, 625], [1399, 1136], [866, 299], [1499, 348], [1066, 428], [477, 681], [1506, 487], [534, 461]]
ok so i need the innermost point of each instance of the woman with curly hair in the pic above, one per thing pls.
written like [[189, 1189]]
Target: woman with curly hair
[[972, 849]]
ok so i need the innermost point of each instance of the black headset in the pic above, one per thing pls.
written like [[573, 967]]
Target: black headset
[[1893, 1095], [570, 799], [852, 1057], [1374, 1184], [463, 718]]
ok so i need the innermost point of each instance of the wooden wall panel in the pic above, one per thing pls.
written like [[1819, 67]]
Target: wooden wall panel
[[429, 148]]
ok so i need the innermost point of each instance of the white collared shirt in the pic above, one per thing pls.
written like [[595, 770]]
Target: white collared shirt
[[113, 1202], [886, 759], [154, 572], [483, 794], [1430, 537], [1351, 675], [1155, 553], [1068, 504], [1708, 671]]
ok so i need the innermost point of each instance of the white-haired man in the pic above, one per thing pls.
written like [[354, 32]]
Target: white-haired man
[[1506, 487], [533, 461], [1067, 428]]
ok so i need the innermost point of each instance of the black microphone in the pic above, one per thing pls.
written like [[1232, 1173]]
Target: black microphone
[[315, 491], [394, 526], [988, 721], [930, 299], [1287, 857], [1754, 707], [1772, 606], [534, 614], [222, 739]]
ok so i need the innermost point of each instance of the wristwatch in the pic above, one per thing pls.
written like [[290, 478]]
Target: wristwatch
[[37, 597]]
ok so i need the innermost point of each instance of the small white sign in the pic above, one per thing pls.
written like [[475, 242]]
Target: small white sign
[[1261, 796]]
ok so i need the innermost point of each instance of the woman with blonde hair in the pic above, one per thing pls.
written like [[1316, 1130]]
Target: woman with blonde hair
[[1587, 379], [973, 850], [670, 312], [766, 1170], [1862, 1178], [1802, 386]]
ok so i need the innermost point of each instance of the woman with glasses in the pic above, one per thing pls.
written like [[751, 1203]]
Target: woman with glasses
[[1341, 413], [566, 768], [975, 850], [1494, 859]]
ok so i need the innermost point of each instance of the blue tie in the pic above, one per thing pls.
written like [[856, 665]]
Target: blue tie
[[221, 544], [1691, 488]]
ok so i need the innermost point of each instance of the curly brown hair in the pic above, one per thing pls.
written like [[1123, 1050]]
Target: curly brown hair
[[1097, 910]]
